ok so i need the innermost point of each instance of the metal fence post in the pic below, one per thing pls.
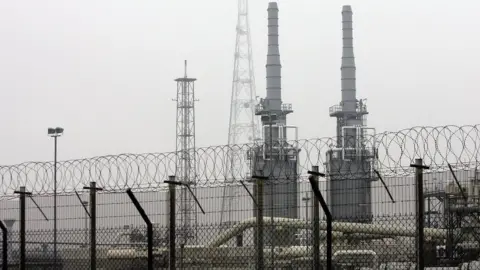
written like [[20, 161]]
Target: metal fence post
[[23, 202], [93, 224], [172, 183], [4, 246], [22, 193], [22, 227], [171, 197], [316, 227], [313, 178], [259, 181], [149, 227], [420, 205]]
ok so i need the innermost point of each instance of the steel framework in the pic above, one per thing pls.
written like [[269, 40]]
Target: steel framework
[[243, 125], [185, 148]]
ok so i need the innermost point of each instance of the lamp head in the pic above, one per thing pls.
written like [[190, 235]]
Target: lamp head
[[55, 132]]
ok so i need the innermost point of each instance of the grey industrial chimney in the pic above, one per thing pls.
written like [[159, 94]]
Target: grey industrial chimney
[[276, 158], [350, 163], [349, 98], [274, 68]]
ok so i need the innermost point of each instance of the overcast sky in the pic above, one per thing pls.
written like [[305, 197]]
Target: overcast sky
[[104, 70]]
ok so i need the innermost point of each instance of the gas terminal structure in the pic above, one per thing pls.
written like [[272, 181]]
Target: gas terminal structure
[[349, 167]]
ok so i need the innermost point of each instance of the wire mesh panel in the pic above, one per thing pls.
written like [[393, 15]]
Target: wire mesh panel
[[273, 223], [386, 240]]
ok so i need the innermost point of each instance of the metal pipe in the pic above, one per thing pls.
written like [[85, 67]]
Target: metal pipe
[[4, 246], [217, 254], [362, 254], [345, 227]]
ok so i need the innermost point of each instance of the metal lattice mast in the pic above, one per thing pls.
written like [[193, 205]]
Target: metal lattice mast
[[244, 126], [185, 159]]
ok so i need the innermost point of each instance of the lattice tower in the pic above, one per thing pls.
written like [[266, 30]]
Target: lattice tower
[[244, 126], [185, 156]]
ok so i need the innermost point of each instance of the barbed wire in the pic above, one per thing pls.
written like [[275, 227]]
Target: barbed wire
[[390, 153]]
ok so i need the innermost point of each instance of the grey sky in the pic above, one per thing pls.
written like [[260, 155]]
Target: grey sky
[[104, 70]]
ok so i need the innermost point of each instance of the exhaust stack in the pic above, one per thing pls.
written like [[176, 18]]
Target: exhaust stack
[[276, 157], [349, 99], [272, 110], [273, 66], [350, 165], [351, 112]]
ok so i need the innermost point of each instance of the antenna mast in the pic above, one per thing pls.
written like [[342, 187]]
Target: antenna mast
[[244, 126], [185, 154]]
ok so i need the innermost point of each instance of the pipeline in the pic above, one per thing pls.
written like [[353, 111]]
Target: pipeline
[[345, 227]]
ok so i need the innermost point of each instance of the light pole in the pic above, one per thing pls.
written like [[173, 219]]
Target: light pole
[[55, 133], [85, 203]]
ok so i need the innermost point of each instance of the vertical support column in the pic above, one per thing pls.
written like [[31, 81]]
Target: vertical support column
[[150, 245], [172, 183], [420, 213], [93, 223], [420, 209], [55, 204], [4, 246], [171, 196], [313, 178], [260, 228], [93, 226], [149, 227], [316, 226], [22, 227]]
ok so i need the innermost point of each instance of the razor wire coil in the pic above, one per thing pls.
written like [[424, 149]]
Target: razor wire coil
[[392, 153]]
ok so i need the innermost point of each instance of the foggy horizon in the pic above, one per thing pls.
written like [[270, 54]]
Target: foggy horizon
[[104, 71]]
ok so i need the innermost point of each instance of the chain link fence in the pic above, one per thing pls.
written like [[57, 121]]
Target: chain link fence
[[407, 216]]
